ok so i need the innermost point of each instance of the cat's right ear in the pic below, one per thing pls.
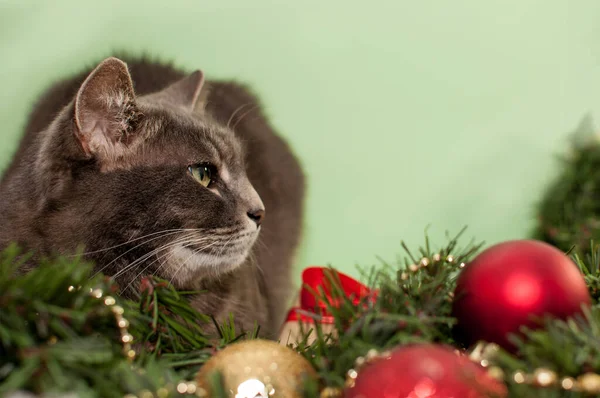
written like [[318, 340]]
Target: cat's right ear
[[105, 110], [190, 92]]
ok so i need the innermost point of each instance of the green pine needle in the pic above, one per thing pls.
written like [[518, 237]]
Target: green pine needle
[[56, 337]]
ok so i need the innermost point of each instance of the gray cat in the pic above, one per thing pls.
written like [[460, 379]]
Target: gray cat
[[154, 171]]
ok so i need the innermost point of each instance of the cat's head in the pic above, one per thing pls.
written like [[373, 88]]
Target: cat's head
[[148, 184]]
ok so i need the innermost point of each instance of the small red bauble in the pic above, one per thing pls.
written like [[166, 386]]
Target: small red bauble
[[424, 371], [514, 284]]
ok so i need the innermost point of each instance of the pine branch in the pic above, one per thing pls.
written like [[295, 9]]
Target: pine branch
[[57, 337], [589, 264], [413, 305], [57, 334], [54, 334]]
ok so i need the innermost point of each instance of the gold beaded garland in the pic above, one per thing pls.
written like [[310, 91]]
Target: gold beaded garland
[[426, 261], [588, 383], [484, 354], [122, 322], [567, 383], [544, 377], [371, 356], [331, 392]]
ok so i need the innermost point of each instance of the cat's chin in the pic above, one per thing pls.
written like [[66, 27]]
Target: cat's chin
[[186, 266]]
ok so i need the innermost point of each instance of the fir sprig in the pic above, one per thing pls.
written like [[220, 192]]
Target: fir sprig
[[413, 304], [414, 307], [589, 264], [56, 336], [564, 349]]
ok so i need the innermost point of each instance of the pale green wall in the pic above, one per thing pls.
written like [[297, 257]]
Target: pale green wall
[[404, 113]]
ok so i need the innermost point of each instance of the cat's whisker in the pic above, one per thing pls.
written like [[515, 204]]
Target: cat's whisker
[[253, 108], [184, 241], [152, 253], [262, 244], [239, 108], [224, 246], [253, 263], [135, 239], [136, 262], [194, 253], [158, 256], [135, 247], [131, 249], [156, 251], [139, 260], [166, 257]]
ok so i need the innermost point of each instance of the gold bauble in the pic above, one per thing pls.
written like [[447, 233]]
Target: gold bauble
[[331, 392], [590, 383], [258, 369]]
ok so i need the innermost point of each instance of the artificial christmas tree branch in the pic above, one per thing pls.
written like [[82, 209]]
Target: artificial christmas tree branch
[[61, 330], [420, 287], [58, 333]]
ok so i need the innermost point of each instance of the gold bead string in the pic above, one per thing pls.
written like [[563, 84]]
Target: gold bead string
[[331, 392], [360, 362], [484, 354], [183, 387], [373, 354], [426, 261], [122, 322]]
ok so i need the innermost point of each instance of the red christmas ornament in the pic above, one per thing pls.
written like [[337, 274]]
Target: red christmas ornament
[[424, 371], [514, 284]]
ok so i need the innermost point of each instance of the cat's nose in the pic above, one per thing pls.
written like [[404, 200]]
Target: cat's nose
[[257, 216]]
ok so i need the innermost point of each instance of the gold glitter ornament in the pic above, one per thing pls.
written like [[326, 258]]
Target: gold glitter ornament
[[589, 383], [258, 369], [331, 392]]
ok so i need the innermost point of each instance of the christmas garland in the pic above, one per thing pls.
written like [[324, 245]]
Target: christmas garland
[[440, 322]]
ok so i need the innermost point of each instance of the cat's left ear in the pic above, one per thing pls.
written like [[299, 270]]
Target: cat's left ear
[[105, 110], [189, 93]]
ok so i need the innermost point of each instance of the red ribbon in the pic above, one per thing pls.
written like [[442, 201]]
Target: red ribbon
[[315, 277]]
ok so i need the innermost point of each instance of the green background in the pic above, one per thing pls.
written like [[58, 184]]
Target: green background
[[404, 114]]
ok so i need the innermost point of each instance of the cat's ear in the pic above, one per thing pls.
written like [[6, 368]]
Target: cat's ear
[[189, 92], [105, 110]]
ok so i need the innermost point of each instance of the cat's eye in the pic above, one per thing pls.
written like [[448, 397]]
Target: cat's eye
[[203, 173]]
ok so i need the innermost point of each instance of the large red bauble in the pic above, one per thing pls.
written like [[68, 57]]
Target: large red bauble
[[424, 371], [514, 284]]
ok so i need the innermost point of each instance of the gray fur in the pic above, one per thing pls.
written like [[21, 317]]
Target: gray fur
[[106, 168]]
